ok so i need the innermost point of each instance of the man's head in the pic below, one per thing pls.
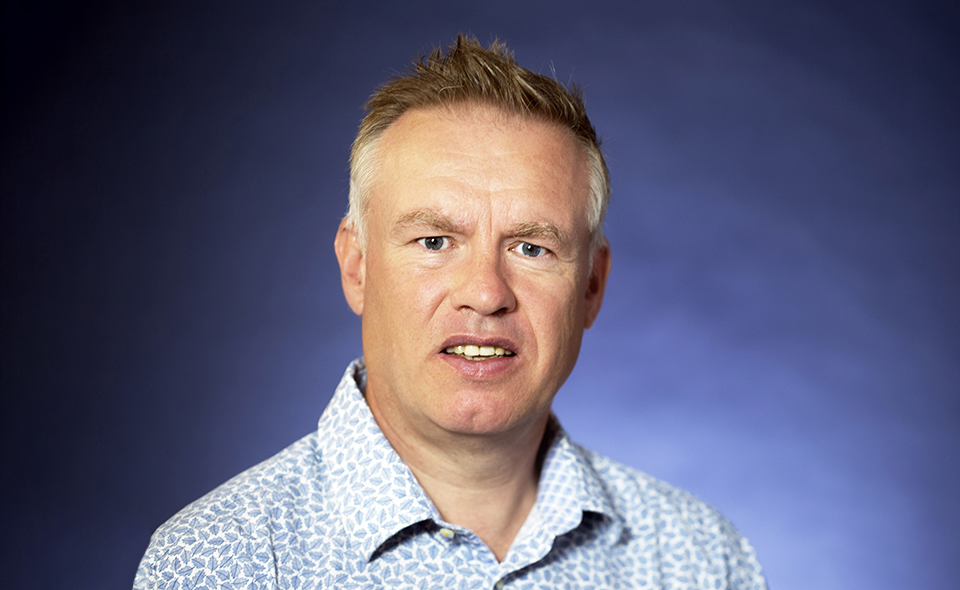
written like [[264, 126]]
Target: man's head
[[470, 73], [482, 263]]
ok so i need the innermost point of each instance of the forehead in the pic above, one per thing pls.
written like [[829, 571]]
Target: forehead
[[465, 152]]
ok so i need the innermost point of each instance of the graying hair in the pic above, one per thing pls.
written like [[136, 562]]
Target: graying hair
[[469, 73]]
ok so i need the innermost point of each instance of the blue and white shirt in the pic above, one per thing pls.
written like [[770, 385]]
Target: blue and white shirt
[[339, 509]]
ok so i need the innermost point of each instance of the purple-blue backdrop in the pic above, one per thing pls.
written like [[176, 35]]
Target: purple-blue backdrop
[[781, 333]]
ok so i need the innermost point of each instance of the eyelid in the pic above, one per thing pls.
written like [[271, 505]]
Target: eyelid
[[519, 246]]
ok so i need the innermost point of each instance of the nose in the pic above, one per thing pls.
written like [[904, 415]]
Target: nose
[[482, 285]]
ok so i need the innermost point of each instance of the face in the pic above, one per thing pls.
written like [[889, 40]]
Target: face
[[477, 279]]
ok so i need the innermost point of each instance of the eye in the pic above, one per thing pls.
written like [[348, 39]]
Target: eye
[[434, 243], [532, 250]]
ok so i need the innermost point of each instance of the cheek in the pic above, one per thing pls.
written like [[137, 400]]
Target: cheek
[[556, 315], [413, 294], [428, 285]]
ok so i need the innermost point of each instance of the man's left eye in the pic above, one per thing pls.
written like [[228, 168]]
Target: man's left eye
[[532, 250], [433, 243]]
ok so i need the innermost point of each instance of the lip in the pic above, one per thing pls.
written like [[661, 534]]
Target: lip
[[491, 368]]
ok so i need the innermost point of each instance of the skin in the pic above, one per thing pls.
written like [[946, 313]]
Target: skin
[[476, 234]]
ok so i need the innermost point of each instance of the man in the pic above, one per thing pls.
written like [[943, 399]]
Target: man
[[474, 254]]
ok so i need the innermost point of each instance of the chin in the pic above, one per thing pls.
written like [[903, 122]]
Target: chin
[[483, 413]]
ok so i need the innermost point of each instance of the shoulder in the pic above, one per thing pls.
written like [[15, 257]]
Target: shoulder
[[657, 513], [231, 532], [281, 482], [634, 492]]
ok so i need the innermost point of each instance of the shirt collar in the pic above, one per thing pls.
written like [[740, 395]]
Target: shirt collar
[[375, 492], [569, 487], [377, 495]]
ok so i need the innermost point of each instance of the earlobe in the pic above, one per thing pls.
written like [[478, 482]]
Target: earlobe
[[350, 257], [597, 283]]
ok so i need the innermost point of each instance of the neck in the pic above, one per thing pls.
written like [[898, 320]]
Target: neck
[[484, 482]]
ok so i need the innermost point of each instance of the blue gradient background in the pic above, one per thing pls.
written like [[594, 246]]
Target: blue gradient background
[[781, 333]]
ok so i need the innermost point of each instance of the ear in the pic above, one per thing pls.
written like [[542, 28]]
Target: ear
[[597, 282], [352, 266]]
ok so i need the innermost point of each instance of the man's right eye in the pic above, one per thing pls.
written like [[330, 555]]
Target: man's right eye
[[433, 243]]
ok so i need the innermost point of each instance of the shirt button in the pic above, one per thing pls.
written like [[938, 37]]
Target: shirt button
[[447, 533], [499, 585]]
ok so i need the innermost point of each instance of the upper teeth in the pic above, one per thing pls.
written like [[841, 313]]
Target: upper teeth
[[472, 351]]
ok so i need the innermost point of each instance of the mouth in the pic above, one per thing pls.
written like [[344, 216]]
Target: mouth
[[475, 352]]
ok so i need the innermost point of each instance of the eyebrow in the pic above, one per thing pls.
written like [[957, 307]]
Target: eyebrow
[[427, 218], [443, 224], [540, 230]]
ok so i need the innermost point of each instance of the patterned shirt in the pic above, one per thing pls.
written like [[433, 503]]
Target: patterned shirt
[[340, 509]]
